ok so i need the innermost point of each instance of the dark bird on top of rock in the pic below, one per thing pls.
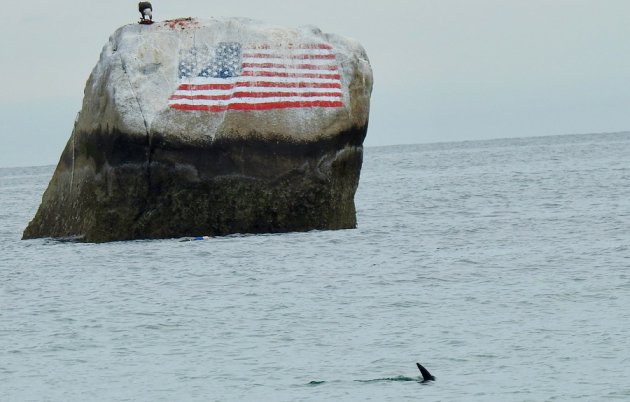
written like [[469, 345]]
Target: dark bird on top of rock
[[146, 11]]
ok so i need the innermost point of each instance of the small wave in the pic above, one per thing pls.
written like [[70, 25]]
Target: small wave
[[393, 379], [399, 378]]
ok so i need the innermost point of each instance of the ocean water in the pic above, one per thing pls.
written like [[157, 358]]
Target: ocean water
[[503, 266]]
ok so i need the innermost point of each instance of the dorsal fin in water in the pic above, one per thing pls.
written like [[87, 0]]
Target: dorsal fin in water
[[426, 376]]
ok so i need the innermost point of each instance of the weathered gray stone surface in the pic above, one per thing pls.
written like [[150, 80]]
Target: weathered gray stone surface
[[138, 167]]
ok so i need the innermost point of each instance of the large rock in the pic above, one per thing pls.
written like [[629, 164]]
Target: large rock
[[209, 127]]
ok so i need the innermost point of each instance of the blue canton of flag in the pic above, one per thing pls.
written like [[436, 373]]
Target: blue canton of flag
[[223, 61]]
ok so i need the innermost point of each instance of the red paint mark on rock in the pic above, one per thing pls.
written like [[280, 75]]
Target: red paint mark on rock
[[181, 23]]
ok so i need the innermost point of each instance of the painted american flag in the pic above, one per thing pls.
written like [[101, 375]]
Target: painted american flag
[[232, 77]]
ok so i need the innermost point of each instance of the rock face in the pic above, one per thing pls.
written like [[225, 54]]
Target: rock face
[[210, 127]]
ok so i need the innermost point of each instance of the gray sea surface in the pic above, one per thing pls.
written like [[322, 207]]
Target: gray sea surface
[[503, 266]]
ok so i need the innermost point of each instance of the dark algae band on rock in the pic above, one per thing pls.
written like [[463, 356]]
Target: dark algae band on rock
[[168, 189], [216, 127]]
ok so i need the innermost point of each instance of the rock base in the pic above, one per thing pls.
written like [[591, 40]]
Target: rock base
[[111, 186]]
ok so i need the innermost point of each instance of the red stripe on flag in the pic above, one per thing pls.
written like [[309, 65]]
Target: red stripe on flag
[[291, 57], [290, 66], [204, 87], [257, 106], [201, 97], [260, 84], [249, 73], [285, 94], [299, 46], [265, 84]]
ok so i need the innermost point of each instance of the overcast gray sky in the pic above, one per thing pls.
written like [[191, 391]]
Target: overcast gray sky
[[444, 70]]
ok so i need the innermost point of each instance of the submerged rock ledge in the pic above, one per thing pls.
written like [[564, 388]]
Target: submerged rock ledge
[[211, 127]]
